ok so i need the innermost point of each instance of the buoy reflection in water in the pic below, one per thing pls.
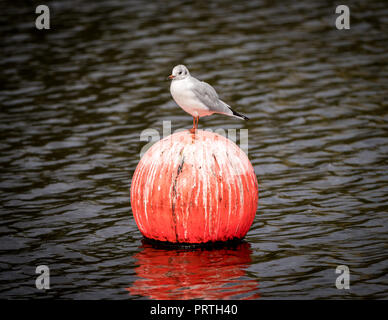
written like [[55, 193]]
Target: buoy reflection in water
[[194, 273]]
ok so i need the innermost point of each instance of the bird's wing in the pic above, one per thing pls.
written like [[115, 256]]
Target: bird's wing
[[205, 93]]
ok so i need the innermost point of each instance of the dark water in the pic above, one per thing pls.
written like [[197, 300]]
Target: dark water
[[75, 99]]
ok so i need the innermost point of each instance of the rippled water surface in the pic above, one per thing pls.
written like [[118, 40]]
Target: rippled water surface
[[75, 99]]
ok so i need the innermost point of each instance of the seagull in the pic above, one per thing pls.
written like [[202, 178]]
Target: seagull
[[196, 97]]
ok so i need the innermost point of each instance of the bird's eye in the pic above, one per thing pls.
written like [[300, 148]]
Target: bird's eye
[[180, 72]]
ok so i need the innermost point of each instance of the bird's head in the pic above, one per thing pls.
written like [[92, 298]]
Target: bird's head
[[179, 72]]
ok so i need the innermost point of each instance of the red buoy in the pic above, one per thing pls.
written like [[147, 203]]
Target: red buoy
[[194, 189]]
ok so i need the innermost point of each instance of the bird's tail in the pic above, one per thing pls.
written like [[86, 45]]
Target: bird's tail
[[234, 113]]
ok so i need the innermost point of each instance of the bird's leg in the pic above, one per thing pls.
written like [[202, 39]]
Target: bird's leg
[[196, 127], [192, 130]]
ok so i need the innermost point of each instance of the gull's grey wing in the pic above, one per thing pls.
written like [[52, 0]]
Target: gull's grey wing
[[205, 93]]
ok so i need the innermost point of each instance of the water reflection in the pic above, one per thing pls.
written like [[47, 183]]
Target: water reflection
[[194, 273]]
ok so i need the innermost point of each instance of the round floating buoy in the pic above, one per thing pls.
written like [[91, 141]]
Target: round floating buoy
[[194, 189]]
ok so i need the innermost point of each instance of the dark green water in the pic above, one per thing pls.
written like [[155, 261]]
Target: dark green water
[[75, 99]]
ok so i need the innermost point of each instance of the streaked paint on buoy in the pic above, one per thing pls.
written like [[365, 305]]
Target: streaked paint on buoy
[[194, 189]]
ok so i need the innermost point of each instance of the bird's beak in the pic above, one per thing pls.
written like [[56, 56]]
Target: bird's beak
[[171, 77]]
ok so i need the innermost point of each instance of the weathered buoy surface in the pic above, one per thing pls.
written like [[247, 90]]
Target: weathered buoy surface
[[194, 189]]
